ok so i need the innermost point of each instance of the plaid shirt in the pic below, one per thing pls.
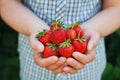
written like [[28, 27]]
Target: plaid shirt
[[68, 11]]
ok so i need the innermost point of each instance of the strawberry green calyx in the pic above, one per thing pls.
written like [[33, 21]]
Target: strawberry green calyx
[[69, 26], [78, 23], [82, 39], [58, 22], [40, 34], [66, 43], [53, 46]]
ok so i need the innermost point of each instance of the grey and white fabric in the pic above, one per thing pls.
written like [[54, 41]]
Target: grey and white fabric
[[69, 11]]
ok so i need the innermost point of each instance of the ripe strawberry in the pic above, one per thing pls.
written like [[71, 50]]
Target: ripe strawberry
[[58, 36], [50, 50], [71, 34], [80, 33], [66, 49], [77, 29], [56, 24], [44, 36], [80, 44]]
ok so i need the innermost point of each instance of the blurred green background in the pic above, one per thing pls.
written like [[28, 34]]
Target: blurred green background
[[9, 60]]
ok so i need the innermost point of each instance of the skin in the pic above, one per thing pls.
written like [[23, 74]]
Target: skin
[[21, 19]]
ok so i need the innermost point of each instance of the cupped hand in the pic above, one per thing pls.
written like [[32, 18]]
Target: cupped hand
[[52, 63], [79, 60]]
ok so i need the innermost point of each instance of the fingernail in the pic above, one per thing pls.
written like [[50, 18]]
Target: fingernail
[[90, 47], [76, 54], [39, 47]]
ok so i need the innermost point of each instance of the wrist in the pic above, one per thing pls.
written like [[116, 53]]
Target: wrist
[[88, 28], [38, 28]]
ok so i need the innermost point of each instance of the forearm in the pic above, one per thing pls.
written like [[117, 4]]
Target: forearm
[[20, 18], [105, 22]]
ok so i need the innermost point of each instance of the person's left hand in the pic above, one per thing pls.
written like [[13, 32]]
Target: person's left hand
[[79, 60]]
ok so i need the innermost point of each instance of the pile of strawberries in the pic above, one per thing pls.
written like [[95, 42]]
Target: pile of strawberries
[[60, 41]]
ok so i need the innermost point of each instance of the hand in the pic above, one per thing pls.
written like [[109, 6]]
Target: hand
[[79, 60], [52, 63]]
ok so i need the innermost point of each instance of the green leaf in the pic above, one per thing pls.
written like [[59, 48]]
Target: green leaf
[[107, 72], [78, 23], [40, 34], [118, 32], [66, 43]]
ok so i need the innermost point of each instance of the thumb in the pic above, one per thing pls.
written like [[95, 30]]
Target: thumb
[[35, 44], [93, 40]]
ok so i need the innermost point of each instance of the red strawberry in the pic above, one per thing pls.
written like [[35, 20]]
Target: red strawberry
[[77, 28], [80, 45], [80, 33], [58, 36], [71, 34], [50, 50], [54, 27], [56, 24], [66, 49], [44, 36]]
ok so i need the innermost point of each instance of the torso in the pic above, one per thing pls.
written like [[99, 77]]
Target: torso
[[69, 11]]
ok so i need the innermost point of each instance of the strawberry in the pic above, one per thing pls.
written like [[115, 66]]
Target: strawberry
[[58, 36], [50, 50], [80, 33], [71, 34], [56, 24], [80, 44], [77, 29], [44, 36], [66, 49]]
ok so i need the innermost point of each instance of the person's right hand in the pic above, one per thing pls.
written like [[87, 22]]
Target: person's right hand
[[52, 63]]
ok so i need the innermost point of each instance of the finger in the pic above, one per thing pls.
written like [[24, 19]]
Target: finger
[[93, 40], [84, 58], [35, 44], [68, 69], [91, 55], [75, 64], [44, 62], [58, 70], [58, 64]]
